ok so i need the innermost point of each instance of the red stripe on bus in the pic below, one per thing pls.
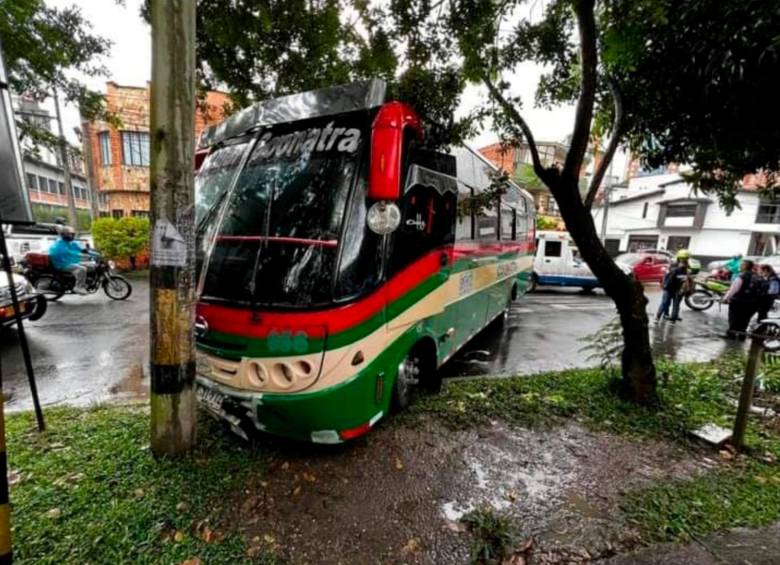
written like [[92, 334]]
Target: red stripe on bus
[[279, 239]]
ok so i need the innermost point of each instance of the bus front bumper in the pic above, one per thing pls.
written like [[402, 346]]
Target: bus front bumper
[[332, 415]]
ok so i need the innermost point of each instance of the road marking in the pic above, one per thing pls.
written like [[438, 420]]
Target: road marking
[[583, 306], [522, 311]]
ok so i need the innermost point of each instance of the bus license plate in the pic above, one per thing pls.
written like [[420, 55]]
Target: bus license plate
[[211, 399]]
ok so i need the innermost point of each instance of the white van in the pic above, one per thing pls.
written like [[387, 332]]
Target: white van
[[558, 262]]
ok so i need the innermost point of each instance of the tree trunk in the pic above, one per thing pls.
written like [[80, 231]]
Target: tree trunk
[[638, 382]]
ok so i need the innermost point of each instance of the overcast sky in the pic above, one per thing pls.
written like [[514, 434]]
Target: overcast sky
[[129, 63]]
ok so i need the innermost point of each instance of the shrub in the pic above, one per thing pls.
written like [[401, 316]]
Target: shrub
[[121, 238]]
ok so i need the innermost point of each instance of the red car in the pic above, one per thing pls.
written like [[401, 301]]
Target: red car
[[646, 266]]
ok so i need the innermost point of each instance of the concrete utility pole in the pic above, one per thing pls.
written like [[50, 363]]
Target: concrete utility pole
[[86, 143], [172, 274], [73, 218]]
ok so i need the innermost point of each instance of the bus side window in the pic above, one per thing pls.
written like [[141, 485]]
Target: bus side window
[[521, 224], [487, 224], [507, 222], [427, 222], [464, 227]]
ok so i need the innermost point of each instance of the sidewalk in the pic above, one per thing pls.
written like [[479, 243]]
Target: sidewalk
[[738, 546]]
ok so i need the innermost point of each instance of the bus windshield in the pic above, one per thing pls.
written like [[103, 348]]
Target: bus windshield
[[279, 239]]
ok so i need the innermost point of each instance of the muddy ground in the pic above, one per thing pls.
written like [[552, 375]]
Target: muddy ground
[[397, 496]]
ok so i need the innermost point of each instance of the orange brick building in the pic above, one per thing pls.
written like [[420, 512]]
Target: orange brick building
[[120, 156]]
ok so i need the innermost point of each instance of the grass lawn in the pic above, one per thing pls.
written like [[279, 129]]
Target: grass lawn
[[89, 491]]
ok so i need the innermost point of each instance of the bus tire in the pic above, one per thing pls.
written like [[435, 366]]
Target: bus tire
[[513, 293], [533, 282], [416, 372]]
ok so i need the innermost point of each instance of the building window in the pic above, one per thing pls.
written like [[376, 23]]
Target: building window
[[135, 148], [644, 211], [62, 187], [53, 186], [104, 138], [677, 242], [681, 211], [118, 214], [139, 213], [32, 182], [768, 213]]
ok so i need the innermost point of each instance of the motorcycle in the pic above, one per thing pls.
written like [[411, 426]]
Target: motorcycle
[[54, 284], [708, 291]]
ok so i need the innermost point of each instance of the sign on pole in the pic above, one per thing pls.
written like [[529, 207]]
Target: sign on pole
[[14, 202]]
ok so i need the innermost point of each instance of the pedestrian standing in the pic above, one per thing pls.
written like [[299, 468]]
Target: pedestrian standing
[[742, 298], [770, 290], [672, 285]]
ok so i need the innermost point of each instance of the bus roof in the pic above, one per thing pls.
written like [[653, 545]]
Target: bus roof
[[312, 104]]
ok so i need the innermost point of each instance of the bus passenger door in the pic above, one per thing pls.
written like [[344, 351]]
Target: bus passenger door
[[421, 257]]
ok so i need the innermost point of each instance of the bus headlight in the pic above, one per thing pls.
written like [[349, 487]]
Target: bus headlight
[[383, 217]]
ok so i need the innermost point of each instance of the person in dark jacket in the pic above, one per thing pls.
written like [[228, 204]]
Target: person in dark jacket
[[672, 287], [770, 291], [742, 298]]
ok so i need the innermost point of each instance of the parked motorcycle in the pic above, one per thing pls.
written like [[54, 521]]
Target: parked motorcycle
[[53, 284], [708, 291]]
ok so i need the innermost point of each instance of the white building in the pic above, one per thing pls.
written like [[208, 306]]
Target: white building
[[663, 211]]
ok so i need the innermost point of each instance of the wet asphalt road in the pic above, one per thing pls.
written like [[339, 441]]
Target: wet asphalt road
[[88, 350]]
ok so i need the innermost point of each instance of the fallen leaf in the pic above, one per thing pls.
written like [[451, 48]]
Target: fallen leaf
[[457, 527], [296, 491], [207, 535], [54, 513], [139, 492], [308, 477], [192, 561], [263, 484], [253, 551], [726, 455], [512, 495], [285, 466], [412, 546], [398, 464], [515, 559], [269, 539], [178, 537], [181, 507], [759, 479]]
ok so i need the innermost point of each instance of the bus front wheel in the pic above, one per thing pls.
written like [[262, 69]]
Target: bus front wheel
[[417, 372]]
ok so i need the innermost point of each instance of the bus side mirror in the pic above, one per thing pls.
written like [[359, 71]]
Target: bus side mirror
[[387, 137]]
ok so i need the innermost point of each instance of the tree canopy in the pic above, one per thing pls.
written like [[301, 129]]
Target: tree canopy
[[44, 48], [699, 82]]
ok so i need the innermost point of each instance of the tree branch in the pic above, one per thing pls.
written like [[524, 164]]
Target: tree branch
[[586, 24], [515, 116], [609, 154]]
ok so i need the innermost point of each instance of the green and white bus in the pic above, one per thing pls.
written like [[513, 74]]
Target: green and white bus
[[340, 264]]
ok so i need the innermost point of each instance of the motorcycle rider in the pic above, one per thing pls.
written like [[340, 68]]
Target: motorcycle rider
[[733, 266], [65, 255]]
